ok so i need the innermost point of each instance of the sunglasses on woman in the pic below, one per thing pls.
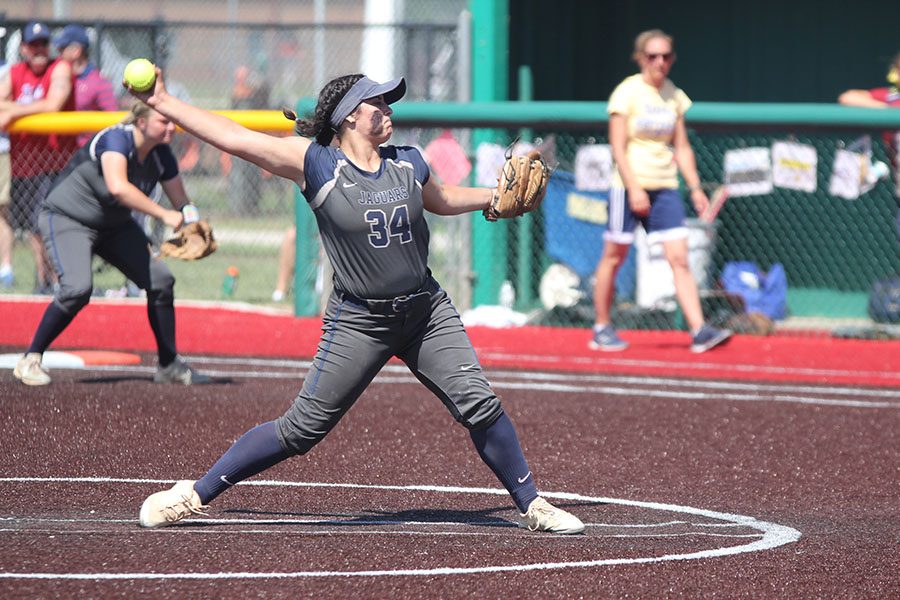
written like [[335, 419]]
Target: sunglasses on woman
[[666, 56]]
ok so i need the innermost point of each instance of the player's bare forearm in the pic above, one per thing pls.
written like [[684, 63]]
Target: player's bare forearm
[[175, 192], [221, 132], [454, 200], [129, 196], [282, 156]]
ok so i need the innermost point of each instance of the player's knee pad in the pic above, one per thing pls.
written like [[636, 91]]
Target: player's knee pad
[[72, 300], [294, 439], [162, 281], [164, 297], [162, 286], [481, 414], [469, 398], [307, 422]]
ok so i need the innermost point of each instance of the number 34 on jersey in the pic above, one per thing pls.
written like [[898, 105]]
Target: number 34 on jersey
[[382, 229]]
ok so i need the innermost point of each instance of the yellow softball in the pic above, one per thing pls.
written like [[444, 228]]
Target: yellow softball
[[140, 74]]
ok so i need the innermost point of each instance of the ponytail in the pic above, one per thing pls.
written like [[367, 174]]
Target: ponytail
[[318, 126], [138, 110]]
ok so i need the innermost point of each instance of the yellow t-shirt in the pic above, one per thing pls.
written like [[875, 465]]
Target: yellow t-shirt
[[651, 115]]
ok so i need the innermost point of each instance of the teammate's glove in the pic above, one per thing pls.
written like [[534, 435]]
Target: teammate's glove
[[192, 242], [521, 187]]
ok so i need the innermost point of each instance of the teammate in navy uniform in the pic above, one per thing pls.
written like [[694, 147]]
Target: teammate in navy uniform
[[89, 212], [369, 202]]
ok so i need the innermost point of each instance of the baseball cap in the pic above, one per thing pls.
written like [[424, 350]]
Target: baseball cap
[[35, 31], [72, 34], [365, 88]]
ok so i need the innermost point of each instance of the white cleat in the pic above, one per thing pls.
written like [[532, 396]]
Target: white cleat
[[30, 371], [543, 516], [170, 506]]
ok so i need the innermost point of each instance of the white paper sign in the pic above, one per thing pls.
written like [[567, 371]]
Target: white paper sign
[[854, 174], [794, 166], [593, 167], [846, 175], [748, 171]]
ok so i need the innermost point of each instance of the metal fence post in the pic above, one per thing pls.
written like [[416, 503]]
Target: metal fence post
[[525, 226], [306, 303], [490, 68]]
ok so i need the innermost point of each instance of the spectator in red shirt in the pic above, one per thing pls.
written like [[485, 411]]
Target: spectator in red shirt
[[35, 85], [881, 97], [92, 90]]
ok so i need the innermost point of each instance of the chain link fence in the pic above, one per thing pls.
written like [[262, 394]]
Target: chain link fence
[[221, 62], [816, 203], [803, 234]]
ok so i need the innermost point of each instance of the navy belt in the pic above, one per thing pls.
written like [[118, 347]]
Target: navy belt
[[392, 306]]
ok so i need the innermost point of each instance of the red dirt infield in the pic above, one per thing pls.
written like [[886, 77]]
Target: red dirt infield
[[767, 468]]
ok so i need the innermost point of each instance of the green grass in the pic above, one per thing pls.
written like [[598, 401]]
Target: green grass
[[257, 262], [274, 200], [202, 280], [198, 280]]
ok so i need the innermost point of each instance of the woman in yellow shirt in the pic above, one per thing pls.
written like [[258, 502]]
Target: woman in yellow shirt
[[650, 144]]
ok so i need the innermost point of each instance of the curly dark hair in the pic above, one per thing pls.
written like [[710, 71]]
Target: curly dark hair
[[319, 126]]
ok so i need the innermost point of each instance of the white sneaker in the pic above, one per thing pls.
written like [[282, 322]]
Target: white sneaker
[[170, 506], [30, 371], [543, 516]]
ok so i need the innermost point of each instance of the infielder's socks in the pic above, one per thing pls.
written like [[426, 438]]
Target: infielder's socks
[[253, 453], [53, 323], [499, 448], [161, 314]]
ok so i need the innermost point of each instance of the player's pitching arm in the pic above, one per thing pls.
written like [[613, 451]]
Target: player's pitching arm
[[282, 156], [453, 199]]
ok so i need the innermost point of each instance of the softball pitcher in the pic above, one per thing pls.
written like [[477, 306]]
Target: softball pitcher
[[369, 202]]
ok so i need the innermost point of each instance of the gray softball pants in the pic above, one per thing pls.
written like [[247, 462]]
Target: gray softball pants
[[70, 246], [359, 337]]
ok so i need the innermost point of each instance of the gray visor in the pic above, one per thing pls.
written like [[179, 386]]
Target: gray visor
[[364, 89]]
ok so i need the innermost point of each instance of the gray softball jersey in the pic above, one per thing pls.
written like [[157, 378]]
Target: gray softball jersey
[[372, 225], [80, 191]]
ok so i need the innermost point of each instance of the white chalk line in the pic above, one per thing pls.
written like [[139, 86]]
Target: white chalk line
[[304, 365], [369, 532], [354, 522], [530, 385], [772, 536]]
